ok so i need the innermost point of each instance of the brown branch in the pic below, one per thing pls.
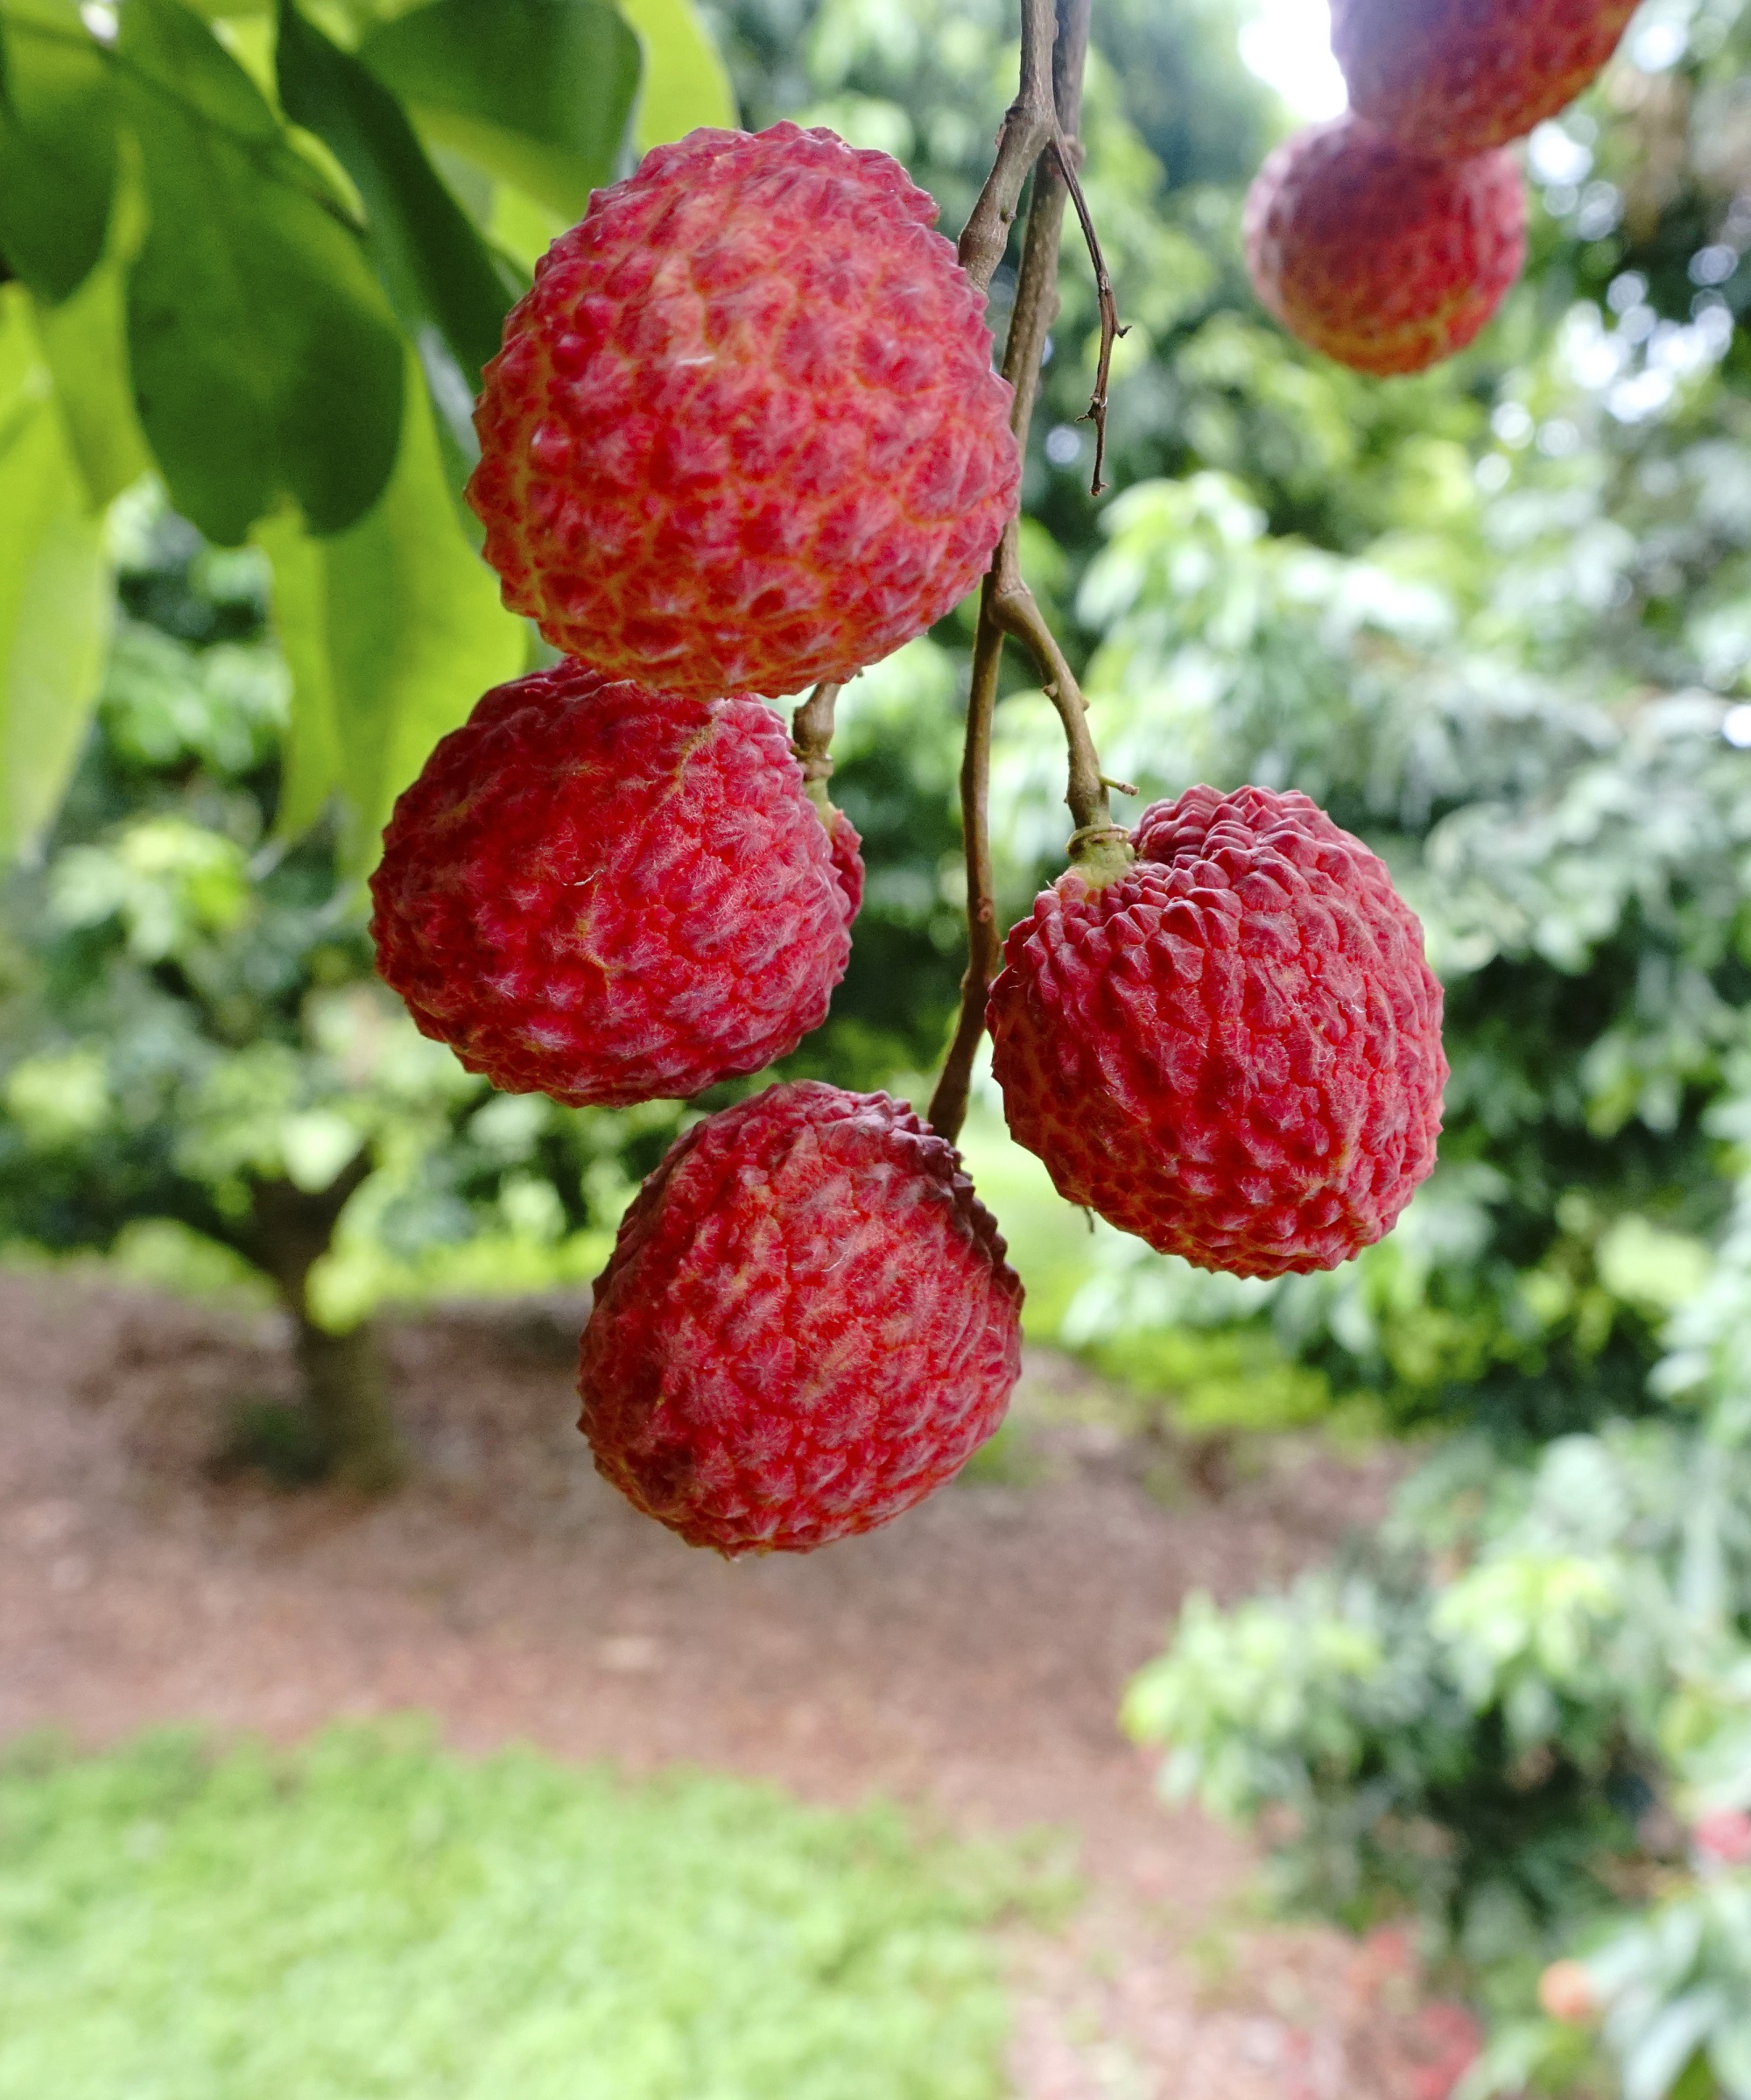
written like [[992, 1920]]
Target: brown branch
[[1006, 606], [1064, 153], [1014, 608], [1028, 128], [811, 739]]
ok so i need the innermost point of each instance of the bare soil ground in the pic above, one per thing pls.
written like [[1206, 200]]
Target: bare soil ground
[[969, 1660]]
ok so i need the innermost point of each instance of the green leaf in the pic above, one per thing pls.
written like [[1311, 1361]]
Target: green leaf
[[433, 266], [686, 84], [54, 591], [84, 340], [57, 145], [266, 362], [538, 91], [392, 631]]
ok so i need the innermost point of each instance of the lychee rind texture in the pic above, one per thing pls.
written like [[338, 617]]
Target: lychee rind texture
[[1380, 258], [1233, 1049], [744, 433], [848, 861], [609, 895], [1451, 77], [807, 1325]]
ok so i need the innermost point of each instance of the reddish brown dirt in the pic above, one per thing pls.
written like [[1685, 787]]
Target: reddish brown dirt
[[969, 1660]]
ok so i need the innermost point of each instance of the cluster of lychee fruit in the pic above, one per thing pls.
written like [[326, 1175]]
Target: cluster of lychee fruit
[[743, 436], [1387, 238]]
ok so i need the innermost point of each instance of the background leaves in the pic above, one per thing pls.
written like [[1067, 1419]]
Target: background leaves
[[536, 91], [266, 362], [264, 253], [57, 145]]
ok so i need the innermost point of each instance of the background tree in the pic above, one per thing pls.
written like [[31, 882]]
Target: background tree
[[196, 1038]]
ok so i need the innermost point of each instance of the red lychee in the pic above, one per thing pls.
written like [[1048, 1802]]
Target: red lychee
[[610, 895], [848, 861], [744, 433], [1451, 77], [1232, 1046], [807, 1325], [1377, 256]]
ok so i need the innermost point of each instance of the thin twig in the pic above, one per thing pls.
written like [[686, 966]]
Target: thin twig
[[1028, 128], [1006, 606], [984, 946], [1065, 154]]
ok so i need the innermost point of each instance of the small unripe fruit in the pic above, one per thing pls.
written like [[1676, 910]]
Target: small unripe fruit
[[1723, 1836], [1380, 258], [1451, 77], [1231, 1048], [807, 1325], [1566, 1991], [744, 433], [610, 895]]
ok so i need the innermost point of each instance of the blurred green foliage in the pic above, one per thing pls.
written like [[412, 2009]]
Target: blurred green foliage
[[1504, 1713], [368, 1916]]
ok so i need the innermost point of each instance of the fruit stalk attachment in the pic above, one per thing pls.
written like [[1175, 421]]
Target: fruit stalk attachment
[[1054, 42], [812, 741]]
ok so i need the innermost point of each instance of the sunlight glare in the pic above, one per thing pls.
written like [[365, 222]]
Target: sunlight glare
[[1287, 44]]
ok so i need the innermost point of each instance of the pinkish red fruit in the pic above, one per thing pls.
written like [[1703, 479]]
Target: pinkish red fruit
[[744, 433], [848, 861], [1382, 259], [1566, 1992], [806, 1327], [1723, 1835], [1451, 77], [1232, 1048], [609, 895]]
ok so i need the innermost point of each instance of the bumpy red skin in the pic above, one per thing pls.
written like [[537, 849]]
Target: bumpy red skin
[[1452, 77], [607, 895], [807, 1325], [744, 433], [848, 862], [1382, 259], [1234, 1050]]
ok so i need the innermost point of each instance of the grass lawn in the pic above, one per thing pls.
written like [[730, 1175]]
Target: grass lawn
[[370, 1916]]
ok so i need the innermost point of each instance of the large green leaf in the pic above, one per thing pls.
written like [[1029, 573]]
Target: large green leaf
[[686, 83], [266, 362], [392, 631], [57, 145], [434, 266], [55, 590], [538, 91], [84, 342]]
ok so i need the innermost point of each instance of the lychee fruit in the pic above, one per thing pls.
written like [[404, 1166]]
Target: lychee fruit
[[1231, 1047], [1566, 1992], [1723, 1836], [610, 895], [847, 860], [1451, 77], [1383, 259], [744, 433], [807, 1325]]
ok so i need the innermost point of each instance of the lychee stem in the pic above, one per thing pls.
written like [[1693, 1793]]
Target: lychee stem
[[1029, 126], [811, 739], [1068, 153], [1006, 605]]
